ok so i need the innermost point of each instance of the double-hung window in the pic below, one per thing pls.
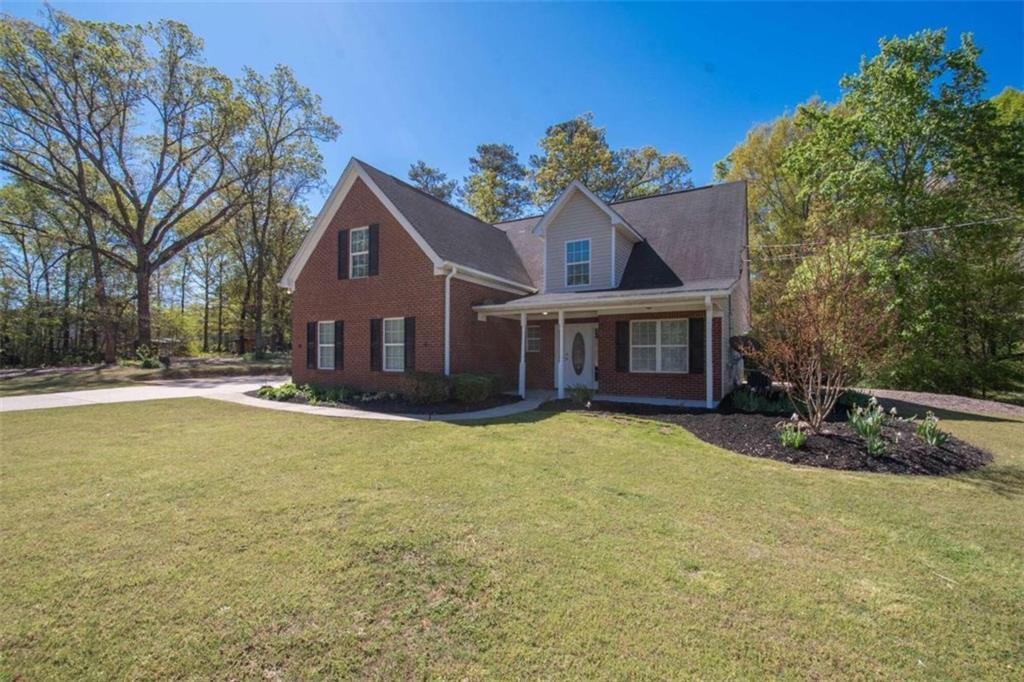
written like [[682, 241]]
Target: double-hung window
[[394, 344], [533, 339], [325, 345], [659, 346], [577, 263], [359, 252]]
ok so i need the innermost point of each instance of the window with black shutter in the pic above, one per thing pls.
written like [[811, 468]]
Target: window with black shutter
[[374, 255], [376, 347], [696, 345], [622, 346], [311, 345], [410, 344], [342, 254], [339, 345]]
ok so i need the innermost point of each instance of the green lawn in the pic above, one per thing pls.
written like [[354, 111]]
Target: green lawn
[[59, 380], [199, 539]]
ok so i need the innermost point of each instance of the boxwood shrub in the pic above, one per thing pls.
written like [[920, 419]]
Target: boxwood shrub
[[475, 388], [428, 388]]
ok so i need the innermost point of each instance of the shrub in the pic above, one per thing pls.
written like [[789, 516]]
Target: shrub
[[148, 358], [792, 434], [281, 393], [746, 399], [428, 388], [581, 395], [475, 388], [868, 422], [329, 394], [929, 431]]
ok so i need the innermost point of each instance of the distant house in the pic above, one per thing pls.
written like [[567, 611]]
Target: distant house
[[636, 299]]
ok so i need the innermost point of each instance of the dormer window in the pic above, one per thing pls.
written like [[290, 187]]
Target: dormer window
[[577, 263], [359, 252]]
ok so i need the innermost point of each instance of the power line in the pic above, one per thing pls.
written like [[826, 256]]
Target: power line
[[912, 230]]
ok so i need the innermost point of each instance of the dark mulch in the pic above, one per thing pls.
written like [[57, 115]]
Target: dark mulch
[[838, 448], [401, 406]]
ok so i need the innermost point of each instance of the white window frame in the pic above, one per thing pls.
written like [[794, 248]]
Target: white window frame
[[384, 343], [320, 346], [657, 345], [530, 338], [588, 262], [352, 254]]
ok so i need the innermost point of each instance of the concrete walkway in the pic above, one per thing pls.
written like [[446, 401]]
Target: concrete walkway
[[233, 390]]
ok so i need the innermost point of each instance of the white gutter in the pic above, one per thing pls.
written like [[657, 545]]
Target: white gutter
[[484, 275], [448, 320], [610, 302]]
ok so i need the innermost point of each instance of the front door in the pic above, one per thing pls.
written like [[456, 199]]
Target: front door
[[579, 355]]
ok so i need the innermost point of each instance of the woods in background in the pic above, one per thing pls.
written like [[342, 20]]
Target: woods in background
[[150, 199]]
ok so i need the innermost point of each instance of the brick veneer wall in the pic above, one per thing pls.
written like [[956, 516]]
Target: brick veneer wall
[[676, 386], [489, 347], [405, 287]]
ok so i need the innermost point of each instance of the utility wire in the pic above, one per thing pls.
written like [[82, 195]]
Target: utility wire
[[912, 230]]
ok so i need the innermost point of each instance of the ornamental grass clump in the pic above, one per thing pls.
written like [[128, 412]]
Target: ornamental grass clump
[[868, 422], [928, 430]]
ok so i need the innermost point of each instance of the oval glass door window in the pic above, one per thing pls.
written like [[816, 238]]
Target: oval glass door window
[[579, 353]]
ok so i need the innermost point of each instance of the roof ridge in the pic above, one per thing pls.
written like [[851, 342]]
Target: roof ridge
[[711, 185], [429, 195]]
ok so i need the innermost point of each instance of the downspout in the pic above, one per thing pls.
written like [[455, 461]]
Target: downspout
[[448, 320]]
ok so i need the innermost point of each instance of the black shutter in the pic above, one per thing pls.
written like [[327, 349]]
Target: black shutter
[[696, 345], [374, 248], [410, 344], [342, 254], [622, 346], [339, 345], [311, 345], [376, 341]]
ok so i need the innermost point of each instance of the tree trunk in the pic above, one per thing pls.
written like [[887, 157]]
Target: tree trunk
[[220, 308], [144, 335], [206, 311]]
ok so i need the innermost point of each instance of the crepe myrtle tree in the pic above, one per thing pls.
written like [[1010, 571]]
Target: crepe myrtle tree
[[827, 321]]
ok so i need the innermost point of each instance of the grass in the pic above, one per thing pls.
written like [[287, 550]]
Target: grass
[[76, 379], [199, 539]]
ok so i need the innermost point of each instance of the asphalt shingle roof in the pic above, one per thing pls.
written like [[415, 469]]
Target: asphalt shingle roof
[[691, 235], [453, 234]]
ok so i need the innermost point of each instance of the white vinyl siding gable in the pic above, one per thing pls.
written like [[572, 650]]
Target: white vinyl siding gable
[[579, 219]]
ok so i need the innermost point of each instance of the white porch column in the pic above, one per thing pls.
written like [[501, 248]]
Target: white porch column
[[709, 375], [560, 379], [522, 355]]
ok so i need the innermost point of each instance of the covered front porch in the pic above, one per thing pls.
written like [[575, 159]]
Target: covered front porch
[[658, 346]]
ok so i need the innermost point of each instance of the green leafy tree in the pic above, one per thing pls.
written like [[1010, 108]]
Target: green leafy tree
[[578, 150], [432, 181], [136, 108], [495, 190], [913, 143]]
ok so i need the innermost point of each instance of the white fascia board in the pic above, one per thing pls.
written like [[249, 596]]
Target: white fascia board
[[696, 297], [344, 185]]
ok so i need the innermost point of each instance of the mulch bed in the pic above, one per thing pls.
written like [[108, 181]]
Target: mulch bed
[[838, 448], [400, 406]]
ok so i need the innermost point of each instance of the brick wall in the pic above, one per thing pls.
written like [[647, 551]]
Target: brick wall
[[489, 347], [676, 386], [405, 287]]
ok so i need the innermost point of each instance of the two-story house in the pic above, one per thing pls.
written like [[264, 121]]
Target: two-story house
[[636, 299]]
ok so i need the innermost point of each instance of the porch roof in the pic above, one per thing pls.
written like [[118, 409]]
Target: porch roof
[[690, 292]]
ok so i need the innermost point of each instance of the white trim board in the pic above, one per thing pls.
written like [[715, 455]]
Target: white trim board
[[353, 171]]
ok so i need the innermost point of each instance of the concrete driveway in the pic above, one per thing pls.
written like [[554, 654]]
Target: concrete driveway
[[210, 387]]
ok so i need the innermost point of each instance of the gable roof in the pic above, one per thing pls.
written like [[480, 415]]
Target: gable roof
[[563, 199], [444, 233], [692, 234], [453, 234]]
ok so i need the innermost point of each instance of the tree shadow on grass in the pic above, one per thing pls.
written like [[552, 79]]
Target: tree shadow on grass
[[1005, 481]]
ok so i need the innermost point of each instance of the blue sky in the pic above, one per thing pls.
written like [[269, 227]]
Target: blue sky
[[432, 81]]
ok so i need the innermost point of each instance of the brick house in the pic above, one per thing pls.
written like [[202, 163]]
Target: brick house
[[636, 299]]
